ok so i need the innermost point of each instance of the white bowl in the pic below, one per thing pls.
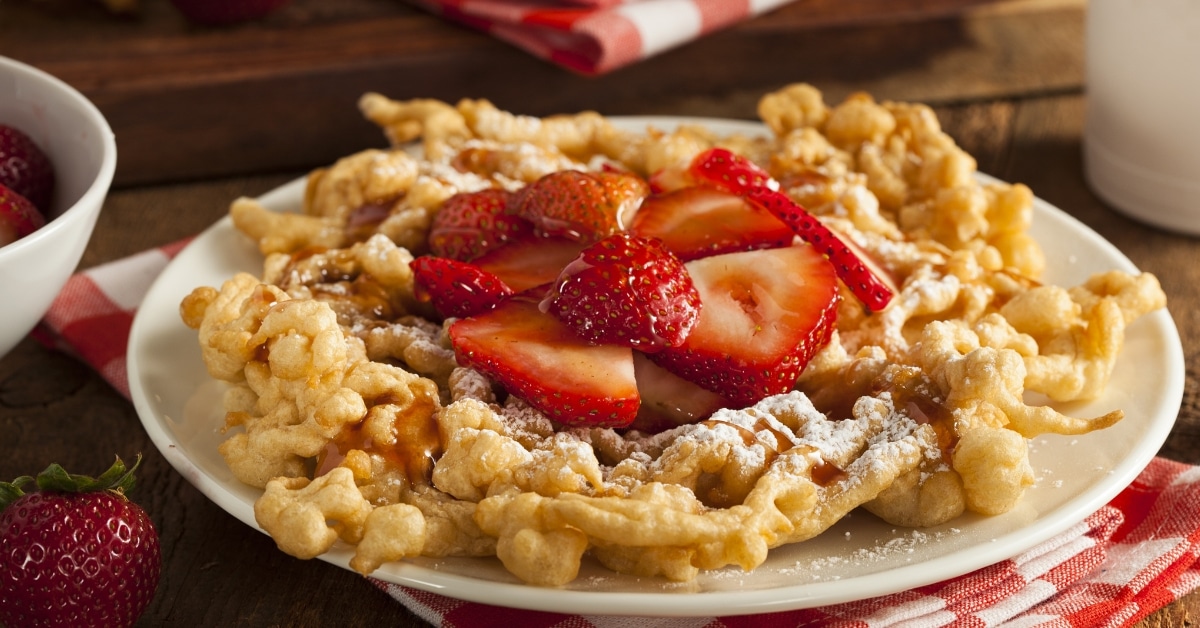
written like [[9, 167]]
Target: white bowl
[[81, 146]]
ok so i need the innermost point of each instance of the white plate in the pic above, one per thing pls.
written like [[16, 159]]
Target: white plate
[[860, 557]]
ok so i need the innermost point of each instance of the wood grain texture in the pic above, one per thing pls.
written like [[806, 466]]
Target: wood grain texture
[[191, 103]]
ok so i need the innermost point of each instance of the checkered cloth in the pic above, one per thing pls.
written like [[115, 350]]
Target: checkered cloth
[[597, 36], [1130, 558]]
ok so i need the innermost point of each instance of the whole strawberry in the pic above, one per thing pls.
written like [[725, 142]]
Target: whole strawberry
[[76, 551], [18, 217], [25, 168]]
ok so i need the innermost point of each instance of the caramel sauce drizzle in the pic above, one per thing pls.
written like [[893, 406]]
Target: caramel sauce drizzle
[[418, 438], [418, 441], [912, 394], [714, 491]]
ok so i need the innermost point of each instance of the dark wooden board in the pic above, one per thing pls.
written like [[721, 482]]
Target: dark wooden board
[[280, 93]]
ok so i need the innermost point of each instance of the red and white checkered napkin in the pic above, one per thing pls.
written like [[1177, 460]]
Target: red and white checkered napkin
[[597, 36], [92, 314], [1128, 559]]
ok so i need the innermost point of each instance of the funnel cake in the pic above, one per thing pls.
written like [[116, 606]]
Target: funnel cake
[[350, 409]]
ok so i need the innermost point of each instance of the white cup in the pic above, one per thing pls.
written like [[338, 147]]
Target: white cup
[[1141, 142]]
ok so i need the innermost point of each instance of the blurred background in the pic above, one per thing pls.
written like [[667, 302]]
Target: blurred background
[[282, 87]]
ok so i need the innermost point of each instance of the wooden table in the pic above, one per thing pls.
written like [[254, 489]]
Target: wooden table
[[205, 115]]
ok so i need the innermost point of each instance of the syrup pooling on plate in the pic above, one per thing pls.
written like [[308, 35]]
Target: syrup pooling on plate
[[915, 412]]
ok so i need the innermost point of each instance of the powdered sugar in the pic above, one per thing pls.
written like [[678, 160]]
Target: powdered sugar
[[902, 543]]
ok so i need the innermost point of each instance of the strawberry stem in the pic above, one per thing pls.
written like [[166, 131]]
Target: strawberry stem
[[117, 478]]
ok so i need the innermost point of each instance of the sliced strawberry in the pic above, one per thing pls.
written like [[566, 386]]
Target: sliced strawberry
[[456, 289], [715, 167], [470, 224], [669, 400], [765, 314], [584, 206], [536, 357], [728, 171], [18, 216], [697, 221], [873, 288], [529, 261], [880, 273], [626, 290]]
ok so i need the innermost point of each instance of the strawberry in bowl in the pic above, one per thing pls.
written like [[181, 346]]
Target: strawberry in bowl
[[18, 216], [57, 160], [24, 168], [599, 297], [26, 185]]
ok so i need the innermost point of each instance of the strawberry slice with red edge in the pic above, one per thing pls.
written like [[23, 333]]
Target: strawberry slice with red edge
[[535, 356], [698, 221], [715, 167], [456, 289], [470, 224], [583, 206], [529, 261], [669, 400], [626, 290], [872, 286], [728, 171], [18, 216], [765, 314]]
